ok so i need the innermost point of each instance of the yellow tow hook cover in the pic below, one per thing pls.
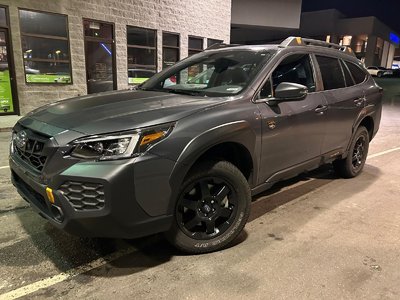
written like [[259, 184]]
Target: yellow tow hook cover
[[50, 195]]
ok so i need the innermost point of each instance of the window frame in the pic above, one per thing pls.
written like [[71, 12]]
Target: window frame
[[155, 48], [344, 70], [67, 39], [170, 47]]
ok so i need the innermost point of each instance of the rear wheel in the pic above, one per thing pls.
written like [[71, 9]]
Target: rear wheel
[[379, 74], [353, 164], [212, 208]]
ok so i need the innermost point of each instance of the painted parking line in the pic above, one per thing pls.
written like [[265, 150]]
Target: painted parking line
[[383, 152], [49, 281]]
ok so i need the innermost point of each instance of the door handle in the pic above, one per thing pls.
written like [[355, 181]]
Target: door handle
[[320, 109]]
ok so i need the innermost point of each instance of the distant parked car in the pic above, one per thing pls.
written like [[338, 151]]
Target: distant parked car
[[379, 71]]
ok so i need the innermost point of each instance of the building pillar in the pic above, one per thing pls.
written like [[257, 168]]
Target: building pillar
[[392, 49], [385, 53], [370, 53]]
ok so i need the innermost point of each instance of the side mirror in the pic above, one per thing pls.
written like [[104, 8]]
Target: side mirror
[[288, 91]]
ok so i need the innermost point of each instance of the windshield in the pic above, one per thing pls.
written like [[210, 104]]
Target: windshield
[[222, 73]]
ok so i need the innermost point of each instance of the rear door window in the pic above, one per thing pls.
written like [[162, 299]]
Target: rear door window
[[358, 74], [331, 72]]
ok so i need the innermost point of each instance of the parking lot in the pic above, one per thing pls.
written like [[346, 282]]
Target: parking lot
[[315, 236]]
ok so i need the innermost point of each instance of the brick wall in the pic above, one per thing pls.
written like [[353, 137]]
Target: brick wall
[[205, 18]]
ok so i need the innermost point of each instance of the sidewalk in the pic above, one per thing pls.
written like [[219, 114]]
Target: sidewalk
[[8, 122]]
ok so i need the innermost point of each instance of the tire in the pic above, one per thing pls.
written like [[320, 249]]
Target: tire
[[212, 208], [352, 165], [379, 74]]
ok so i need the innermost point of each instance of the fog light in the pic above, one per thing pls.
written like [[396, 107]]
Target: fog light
[[50, 195]]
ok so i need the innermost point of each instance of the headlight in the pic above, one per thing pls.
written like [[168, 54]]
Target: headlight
[[118, 145]]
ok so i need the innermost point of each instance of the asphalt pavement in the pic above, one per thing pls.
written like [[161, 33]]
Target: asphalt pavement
[[316, 236]]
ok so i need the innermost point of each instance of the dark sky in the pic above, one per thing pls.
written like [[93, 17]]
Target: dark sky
[[388, 11]]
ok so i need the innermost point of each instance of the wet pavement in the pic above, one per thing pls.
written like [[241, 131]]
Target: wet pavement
[[315, 236]]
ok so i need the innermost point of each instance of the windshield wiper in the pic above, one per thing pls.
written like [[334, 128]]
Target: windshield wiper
[[184, 92]]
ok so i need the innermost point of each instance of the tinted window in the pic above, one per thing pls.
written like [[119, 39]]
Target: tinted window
[[195, 45], [331, 72], [170, 49], [347, 76], [142, 52], [3, 17], [141, 36], [358, 74], [43, 23], [45, 46], [295, 69], [211, 42]]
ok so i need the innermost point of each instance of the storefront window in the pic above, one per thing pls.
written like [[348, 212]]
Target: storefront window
[[211, 42], [142, 54], [170, 49], [3, 18], [99, 56], [45, 46], [195, 45]]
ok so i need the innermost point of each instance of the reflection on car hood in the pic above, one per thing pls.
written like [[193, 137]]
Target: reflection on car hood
[[118, 110]]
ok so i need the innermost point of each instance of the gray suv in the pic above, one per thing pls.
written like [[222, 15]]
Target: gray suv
[[184, 156]]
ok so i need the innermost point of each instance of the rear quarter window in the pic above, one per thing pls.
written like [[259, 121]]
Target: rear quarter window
[[358, 74], [331, 72]]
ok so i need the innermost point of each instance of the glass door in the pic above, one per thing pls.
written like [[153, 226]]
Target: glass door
[[100, 56], [6, 94]]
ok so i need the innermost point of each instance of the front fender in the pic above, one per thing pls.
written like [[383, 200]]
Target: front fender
[[239, 132]]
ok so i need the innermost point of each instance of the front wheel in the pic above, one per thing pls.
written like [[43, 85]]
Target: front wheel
[[380, 74], [212, 208], [353, 164]]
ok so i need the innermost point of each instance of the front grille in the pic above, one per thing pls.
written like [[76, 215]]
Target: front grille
[[83, 195], [31, 150], [32, 154]]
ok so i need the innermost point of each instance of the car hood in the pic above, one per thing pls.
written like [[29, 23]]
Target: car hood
[[117, 111]]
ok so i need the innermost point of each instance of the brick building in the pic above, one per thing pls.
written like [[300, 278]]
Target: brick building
[[51, 50]]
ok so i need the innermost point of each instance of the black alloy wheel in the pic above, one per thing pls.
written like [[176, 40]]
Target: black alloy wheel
[[207, 208], [358, 153], [352, 165], [212, 208]]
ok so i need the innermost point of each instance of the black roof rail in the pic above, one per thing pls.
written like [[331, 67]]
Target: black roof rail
[[221, 45], [298, 41]]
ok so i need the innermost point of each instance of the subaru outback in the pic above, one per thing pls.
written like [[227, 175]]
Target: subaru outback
[[184, 156]]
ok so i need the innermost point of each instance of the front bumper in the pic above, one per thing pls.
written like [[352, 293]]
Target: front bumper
[[136, 196]]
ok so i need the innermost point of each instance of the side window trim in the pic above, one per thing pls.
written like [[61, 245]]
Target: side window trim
[[344, 66]]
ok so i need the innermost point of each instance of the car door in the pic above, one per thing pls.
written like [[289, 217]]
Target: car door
[[292, 131], [345, 102]]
